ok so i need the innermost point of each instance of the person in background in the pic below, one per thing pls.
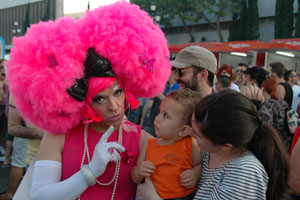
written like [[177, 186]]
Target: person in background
[[3, 117], [5, 94], [239, 74], [21, 133], [227, 71], [223, 83], [284, 90], [273, 111], [196, 68], [250, 89], [173, 158], [238, 152], [291, 78], [262, 75]]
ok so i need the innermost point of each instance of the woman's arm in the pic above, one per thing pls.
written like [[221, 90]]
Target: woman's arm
[[147, 191], [46, 178], [47, 173], [135, 175]]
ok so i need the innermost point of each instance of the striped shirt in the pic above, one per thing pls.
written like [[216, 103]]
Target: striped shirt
[[241, 178]]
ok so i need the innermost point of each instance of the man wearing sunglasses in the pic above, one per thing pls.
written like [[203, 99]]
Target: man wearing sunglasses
[[239, 74], [196, 68]]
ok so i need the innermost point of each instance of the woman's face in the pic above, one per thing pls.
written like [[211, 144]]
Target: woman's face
[[202, 142], [110, 104]]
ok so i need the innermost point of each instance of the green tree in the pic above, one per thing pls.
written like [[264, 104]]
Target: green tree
[[283, 20], [252, 20], [288, 17], [188, 11], [216, 8], [169, 10], [234, 30], [26, 22], [297, 26], [243, 20], [46, 16]]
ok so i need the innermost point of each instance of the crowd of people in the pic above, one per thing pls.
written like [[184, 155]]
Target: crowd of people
[[201, 131]]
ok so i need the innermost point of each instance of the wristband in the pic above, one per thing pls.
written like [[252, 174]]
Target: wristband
[[89, 177]]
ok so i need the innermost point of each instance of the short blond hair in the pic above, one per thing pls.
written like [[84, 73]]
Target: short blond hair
[[188, 99]]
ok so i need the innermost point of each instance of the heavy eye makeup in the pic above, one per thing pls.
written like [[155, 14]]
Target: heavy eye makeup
[[118, 92], [101, 98]]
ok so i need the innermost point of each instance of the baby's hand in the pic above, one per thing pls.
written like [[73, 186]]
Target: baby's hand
[[146, 169], [188, 178]]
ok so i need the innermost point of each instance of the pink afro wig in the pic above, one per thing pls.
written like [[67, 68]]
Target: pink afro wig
[[46, 62], [136, 47]]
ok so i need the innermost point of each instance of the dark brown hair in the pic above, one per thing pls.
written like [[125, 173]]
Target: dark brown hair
[[230, 117], [278, 68]]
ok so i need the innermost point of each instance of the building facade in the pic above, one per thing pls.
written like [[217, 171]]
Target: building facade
[[12, 16]]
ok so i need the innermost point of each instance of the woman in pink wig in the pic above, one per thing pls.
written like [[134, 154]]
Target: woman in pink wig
[[75, 79]]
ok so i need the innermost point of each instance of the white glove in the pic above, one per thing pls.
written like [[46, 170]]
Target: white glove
[[105, 152]]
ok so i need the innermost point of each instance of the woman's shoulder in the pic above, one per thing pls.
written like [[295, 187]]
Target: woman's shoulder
[[248, 164]]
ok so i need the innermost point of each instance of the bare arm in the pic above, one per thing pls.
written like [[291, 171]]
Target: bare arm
[[136, 178], [294, 181], [51, 147], [16, 129], [147, 191], [298, 109], [280, 91]]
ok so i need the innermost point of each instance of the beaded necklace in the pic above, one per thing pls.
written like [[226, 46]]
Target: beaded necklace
[[86, 152]]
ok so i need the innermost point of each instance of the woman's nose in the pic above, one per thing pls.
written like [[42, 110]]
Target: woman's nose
[[112, 104]]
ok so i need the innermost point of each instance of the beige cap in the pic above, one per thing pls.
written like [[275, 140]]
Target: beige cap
[[196, 56]]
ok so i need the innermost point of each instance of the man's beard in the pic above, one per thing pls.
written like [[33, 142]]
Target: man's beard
[[193, 84]]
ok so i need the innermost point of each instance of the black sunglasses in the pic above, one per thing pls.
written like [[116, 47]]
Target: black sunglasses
[[179, 72], [242, 71]]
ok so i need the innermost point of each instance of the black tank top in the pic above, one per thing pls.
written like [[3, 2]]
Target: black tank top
[[288, 93]]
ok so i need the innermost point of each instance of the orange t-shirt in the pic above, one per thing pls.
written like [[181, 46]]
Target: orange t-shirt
[[170, 161]]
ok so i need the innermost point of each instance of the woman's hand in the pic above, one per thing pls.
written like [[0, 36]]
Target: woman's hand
[[147, 191], [105, 152]]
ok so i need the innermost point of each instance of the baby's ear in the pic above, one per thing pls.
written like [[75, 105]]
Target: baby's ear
[[185, 131]]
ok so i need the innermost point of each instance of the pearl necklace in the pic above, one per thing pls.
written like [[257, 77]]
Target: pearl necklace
[[86, 152]]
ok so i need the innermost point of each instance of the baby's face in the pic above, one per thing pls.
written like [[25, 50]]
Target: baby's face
[[169, 121]]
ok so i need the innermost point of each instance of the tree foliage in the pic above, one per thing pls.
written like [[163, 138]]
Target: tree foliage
[[243, 20], [191, 11], [297, 26], [234, 28], [252, 20], [26, 22], [245, 23], [284, 19], [46, 16]]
